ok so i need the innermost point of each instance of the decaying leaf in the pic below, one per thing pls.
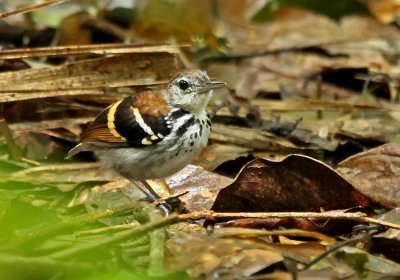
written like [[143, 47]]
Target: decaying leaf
[[298, 183], [210, 256], [88, 76], [202, 186], [376, 174], [234, 253], [379, 126]]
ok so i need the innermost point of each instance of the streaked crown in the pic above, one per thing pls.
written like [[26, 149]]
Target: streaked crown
[[191, 90]]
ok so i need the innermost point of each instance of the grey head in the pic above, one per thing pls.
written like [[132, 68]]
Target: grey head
[[191, 90]]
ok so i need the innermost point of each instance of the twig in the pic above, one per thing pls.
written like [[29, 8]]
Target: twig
[[334, 248], [30, 8], [356, 216], [101, 49]]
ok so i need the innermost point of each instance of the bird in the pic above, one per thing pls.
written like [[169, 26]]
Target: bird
[[154, 133]]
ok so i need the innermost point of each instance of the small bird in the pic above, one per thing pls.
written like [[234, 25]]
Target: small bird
[[153, 134]]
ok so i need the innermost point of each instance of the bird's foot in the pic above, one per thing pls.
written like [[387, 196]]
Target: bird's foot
[[172, 203]]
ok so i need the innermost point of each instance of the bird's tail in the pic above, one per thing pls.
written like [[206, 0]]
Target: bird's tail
[[77, 149]]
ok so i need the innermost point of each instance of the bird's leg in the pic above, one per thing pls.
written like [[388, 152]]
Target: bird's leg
[[145, 188], [172, 200], [162, 183]]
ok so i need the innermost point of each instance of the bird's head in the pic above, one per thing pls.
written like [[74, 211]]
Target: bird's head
[[191, 90]]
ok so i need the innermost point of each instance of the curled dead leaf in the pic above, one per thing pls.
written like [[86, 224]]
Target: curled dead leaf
[[297, 183]]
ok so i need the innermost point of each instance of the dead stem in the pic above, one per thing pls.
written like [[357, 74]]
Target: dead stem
[[356, 216]]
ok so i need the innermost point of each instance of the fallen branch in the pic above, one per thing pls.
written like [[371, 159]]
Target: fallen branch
[[334, 215]]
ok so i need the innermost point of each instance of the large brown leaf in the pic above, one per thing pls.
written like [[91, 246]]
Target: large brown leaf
[[298, 183]]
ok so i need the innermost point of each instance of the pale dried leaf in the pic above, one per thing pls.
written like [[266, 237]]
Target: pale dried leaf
[[202, 186], [376, 173]]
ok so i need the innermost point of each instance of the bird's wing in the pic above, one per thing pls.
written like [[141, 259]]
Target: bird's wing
[[136, 121]]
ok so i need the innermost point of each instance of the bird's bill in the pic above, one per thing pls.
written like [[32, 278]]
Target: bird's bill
[[212, 85]]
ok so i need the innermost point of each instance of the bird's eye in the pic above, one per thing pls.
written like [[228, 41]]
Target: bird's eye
[[183, 85]]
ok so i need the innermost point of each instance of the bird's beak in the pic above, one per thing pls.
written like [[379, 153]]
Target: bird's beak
[[211, 85]]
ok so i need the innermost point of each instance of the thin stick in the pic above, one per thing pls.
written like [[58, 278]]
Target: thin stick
[[30, 8], [100, 49], [356, 216], [334, 248]]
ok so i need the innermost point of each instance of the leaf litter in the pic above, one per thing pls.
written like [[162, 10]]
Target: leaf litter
[[305, 148]]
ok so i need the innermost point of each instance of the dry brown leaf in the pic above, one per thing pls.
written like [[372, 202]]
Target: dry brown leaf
[[88, 77], [298, 183], [380, 127], [202, 186], [292, 30], [355, 42], [233, 253], [376, 174], [228, 257]]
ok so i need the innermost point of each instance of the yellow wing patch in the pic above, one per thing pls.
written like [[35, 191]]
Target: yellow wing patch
[[111, 119]]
